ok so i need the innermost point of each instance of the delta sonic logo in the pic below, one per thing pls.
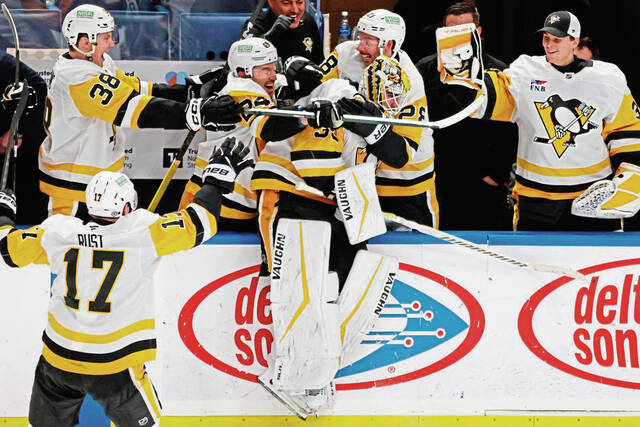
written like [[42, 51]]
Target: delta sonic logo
[[428, 323], [589, 330]]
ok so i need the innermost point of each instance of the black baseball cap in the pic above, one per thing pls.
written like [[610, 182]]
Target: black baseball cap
[[561, 24]]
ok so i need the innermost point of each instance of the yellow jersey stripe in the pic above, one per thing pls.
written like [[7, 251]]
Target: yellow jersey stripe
[[146, 324], [563, 172], [92, 368], [84, 169]]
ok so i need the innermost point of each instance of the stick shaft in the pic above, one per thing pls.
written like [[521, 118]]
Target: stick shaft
[[13, 131], [171, 172], [16, 41]]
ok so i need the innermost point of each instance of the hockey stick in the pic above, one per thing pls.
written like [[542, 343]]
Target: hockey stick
[[564, 128], [171, 172], [424, 229], [545, 268], [252, 18], [12, 146], [447, 121]]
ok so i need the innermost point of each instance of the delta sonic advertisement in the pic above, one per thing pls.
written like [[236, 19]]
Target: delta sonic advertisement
[[459, 334]]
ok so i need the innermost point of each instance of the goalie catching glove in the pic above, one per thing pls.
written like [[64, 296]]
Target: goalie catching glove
[[327, 114], [371, 133], [615, 198], [216, 113], [460, 55], [225, 163]]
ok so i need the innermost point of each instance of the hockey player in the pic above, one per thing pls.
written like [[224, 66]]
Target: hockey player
[[101, 323], [251, 83], [578, 123], [309, 255], [90, 97], [406, 189]]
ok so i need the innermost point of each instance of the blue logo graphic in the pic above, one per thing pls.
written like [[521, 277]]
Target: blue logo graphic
[[415, 324]]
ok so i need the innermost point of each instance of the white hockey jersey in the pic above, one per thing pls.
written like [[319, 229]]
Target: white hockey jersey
[[240, 204], [570, 125], [416, 176], [101, 311], [81, 107]]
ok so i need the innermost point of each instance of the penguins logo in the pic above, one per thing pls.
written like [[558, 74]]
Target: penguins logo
[[563, 121], [308, 44]]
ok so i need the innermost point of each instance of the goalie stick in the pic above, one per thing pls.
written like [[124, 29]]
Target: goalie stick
[[447, 121], [424, 229], [12, 146], [171, 172]]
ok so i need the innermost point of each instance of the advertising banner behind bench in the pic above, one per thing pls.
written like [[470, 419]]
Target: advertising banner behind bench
[[462, 334]]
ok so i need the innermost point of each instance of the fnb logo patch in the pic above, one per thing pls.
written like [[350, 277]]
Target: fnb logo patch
[[595, 336], [538, 86], [428, 323]]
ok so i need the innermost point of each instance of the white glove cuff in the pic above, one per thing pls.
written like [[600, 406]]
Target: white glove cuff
[[220, 172], [192, 115], [378, 133]]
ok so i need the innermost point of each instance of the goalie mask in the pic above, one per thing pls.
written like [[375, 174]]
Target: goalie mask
[[386, 84], [108, 193], [384, 25], [90, 20], [252, 52]]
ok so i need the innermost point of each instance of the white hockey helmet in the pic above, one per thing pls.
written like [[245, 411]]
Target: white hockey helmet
[[386, 84], [108, 193], [248, 53], [87, 19], [386, 26]]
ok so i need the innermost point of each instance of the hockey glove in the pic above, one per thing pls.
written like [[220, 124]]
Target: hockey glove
[[225, 163], [302, 75], [8, 205], [282, 23], [12, 94], [195, 82], [371, 132], [216, 113], [616, 198], [460, 55], [327, 114]]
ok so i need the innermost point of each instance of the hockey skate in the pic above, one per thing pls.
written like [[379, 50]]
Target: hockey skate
[[295, 403]]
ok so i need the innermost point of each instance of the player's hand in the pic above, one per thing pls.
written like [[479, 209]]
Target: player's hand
[[226, 161], [282, 23], [216, 113], [194, 82], [302, 74], [327, 114], [11, 97], [8, 205], [371, 132]]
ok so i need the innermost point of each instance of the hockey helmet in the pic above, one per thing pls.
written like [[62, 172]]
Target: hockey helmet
[[384, 25], [252, 52], [90, 20], [386, 84], [108, 193]]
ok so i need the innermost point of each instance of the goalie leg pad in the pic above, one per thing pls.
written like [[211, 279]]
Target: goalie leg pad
[[358, 204], [363, 297], [305, 316]]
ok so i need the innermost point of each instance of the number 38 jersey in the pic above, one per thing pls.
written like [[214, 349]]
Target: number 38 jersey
[[84, 105], [101, 313]]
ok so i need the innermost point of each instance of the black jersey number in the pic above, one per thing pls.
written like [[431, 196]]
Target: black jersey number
[[104, 89], [329, 64], [409, 112], [99, 257]]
